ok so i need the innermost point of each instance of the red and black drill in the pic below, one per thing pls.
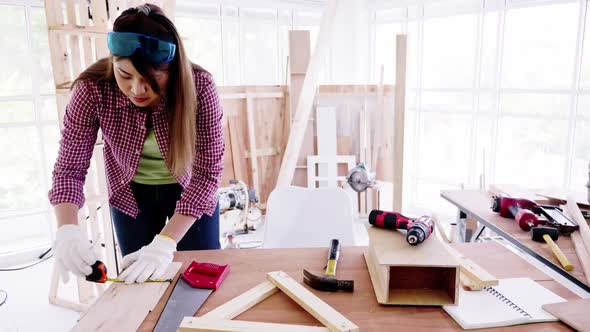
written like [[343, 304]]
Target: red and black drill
[[527, 212], [518, 208], [418, 230]]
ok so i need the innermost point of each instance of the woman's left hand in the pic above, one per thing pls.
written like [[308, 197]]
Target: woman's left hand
[[150, 261]]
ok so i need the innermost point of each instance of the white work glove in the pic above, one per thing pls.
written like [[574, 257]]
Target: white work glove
[[73, 252], [150, 261]]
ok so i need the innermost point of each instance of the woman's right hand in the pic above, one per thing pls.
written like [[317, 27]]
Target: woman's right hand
[[73, 252]]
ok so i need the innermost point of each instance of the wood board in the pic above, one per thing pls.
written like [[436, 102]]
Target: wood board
[[249, 267], [575, 313], [123, 307]]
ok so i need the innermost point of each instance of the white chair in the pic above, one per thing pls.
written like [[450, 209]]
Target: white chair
[[298, 217]]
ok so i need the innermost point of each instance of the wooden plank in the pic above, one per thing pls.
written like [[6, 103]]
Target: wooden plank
[[245, 95], [112, 311], [305, 101], [576, 214], [472, 270], [236, 146], [243, 302], [263, 152], [299, 51], [583, 255], [192, 324], [574, 313], [334, 320], [74, 40], [252, 145], [355, 90], [399, 120]]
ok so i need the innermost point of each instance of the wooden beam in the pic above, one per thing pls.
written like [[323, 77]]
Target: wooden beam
[[245, 95], [263, 152], [334, 320], [576, 214], [582, 253], [399, 120], [252, 141], [196, 324], [305, 101], [243, 302], [236, 146]]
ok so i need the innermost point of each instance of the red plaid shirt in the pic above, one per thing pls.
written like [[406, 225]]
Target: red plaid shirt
[[103, 105]]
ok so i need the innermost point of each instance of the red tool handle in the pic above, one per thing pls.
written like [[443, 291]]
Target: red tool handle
[[205, 275], [389, 220]]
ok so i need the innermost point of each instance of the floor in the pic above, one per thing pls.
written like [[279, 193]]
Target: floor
[[27, 292]]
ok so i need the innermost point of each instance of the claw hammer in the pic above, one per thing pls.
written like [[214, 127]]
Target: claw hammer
[[328, 281]]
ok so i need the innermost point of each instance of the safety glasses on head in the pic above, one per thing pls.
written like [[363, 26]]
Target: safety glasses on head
[[156, 51]]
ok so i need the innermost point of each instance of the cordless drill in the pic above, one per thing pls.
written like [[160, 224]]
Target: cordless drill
[[518, 208], [418, 230]]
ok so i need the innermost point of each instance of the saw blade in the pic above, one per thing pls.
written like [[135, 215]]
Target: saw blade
[[359, 180], [184, 301]]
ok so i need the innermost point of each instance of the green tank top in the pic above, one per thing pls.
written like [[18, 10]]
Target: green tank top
[[152, 168]]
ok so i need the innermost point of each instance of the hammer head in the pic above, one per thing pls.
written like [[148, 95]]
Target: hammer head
[[327, 283], [538, 233]]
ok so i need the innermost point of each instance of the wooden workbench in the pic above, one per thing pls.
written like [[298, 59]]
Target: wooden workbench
[[476, 203], [249, 268]]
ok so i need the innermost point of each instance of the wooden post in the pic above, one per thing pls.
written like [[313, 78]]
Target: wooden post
[[306, 97], [252, 140], [399, 121]]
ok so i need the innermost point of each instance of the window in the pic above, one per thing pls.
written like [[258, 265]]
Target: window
[[29, 131], [492, 89], [539, 46], [201, 38]]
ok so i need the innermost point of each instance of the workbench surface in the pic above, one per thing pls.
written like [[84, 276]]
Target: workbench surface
[[249, 268], [476, 203]]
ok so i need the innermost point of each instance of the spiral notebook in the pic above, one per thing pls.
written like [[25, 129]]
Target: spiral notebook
[[512, 302]]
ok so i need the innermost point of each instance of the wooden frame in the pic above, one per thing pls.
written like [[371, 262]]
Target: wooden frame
[[219, 319], [426, 274]]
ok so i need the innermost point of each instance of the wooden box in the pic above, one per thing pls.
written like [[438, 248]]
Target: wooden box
[[425, 274]]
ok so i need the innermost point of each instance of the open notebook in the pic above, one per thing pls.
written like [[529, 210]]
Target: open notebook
[[512, 302]]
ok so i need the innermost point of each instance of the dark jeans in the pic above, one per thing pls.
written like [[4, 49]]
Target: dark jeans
[[156, 204]]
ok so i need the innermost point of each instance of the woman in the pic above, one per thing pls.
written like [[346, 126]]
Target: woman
[[160, 119]]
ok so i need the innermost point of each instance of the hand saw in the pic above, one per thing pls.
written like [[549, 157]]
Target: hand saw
[[191, 291]]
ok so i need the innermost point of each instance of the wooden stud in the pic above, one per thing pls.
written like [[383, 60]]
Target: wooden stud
[[582, 253], [236, 142], [243, 302], [576, 214], [264, 152], [305, 101], [198, 324], [194, 324], [252, 141], [399, 120], [334, 320]]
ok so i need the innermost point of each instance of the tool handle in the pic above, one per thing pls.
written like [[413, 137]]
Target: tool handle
[[558, 253], [333, 258], [389, 220]]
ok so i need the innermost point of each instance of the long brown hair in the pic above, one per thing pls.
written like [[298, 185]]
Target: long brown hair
[[181, 98]]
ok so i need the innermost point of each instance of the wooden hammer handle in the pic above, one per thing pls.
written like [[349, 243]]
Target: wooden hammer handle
[[558, 253]]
